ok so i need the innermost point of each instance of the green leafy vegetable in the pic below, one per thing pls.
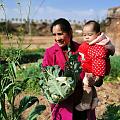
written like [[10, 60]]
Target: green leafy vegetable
[[56, 84]]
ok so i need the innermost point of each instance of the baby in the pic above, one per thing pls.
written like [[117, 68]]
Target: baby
[[95, 52]]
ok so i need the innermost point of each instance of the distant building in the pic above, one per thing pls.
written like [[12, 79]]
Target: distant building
[[113, 27]]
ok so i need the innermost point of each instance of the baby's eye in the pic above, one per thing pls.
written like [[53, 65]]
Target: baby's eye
[[90, 34], [84, 34]]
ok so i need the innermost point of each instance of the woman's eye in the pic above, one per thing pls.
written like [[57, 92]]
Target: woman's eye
[[60, 33], [54, 34]]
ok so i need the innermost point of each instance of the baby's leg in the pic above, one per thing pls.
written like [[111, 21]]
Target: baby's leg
[[94, 92], [87, 94], [86, 98], [95, 98]]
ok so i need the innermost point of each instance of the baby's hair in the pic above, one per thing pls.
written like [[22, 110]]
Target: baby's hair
[[96, 25]]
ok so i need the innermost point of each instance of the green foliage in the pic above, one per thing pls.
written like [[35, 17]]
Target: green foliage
[[30, 73], [112, 113], [10, 54], [115, 66], [10, 87], [36, 112], [27, 102], [20, 55], [72, 66], [115, 69], [29, 56], [56, 84], [55, 88]]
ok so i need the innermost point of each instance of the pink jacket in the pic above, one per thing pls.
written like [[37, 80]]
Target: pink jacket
[[65, 109]]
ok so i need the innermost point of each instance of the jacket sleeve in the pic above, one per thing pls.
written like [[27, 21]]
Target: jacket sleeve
[[47, 59]]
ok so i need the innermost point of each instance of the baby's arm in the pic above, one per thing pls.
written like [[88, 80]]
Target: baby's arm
[[88, 79]]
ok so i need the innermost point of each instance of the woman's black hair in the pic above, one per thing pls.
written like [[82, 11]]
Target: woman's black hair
[[64, 25], [96, 25]]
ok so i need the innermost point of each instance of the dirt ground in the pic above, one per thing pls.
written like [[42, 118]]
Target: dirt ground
[[108, 94]]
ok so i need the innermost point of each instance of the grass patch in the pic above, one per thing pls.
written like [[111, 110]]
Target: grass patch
[[114, 75], [31, 72], [112, 113], [30, 56]]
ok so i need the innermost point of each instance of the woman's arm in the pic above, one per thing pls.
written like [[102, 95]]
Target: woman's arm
[[111, 48]]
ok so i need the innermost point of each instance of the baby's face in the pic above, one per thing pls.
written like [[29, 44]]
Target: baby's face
[[88, 33]]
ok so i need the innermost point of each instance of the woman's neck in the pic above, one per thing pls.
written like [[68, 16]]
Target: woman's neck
[[65, 48]]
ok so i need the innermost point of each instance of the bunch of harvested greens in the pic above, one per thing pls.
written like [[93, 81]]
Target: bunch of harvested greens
[[58, 85]]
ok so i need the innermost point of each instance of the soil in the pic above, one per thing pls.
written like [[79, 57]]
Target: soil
[[108, 94]]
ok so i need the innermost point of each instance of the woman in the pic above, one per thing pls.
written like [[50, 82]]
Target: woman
[[57, 55]]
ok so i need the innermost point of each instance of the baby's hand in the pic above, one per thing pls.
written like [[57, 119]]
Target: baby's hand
[[88, 79], [91, 80]]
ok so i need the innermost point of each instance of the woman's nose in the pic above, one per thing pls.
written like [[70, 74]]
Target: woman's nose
[[57, 37]]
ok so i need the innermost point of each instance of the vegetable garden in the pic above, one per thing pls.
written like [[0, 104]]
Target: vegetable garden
[[20, 75]]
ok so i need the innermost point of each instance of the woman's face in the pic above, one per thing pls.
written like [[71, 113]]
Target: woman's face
[[60, 37]]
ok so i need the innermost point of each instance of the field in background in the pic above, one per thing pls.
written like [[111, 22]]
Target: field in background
[[35, 41]]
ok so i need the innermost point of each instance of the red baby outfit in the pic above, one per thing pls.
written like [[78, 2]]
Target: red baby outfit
[[96, 59]]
